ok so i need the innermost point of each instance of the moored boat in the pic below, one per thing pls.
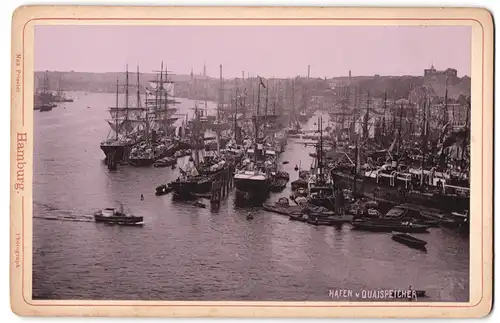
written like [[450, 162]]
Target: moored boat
[[277, 184], [165, 162], [45, 107], [282, 207], [382, 226], [329, 220], [252, 186], [163, 189], [409, 240]]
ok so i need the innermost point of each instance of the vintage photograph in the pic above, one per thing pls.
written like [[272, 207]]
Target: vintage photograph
[[251, 163]]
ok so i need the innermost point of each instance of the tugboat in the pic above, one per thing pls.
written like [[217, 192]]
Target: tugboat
[[113, 216]]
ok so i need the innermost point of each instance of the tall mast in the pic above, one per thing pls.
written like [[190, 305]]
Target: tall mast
[[365, 126], [165, 89], [138, 89], [257, 119], [126, 92], [383, 118], [294, 113], [275, 90], [221, 94], [424, 139], [196, 135], [445, 112], [400, 126], [267, 95], [320, 149], [116, 113], [206, 89], [464, 142], [59, 90], [236, 111], [159, 86], [244, 103], [219, 106]]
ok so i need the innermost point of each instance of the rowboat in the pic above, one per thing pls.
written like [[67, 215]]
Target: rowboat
[[409, 240]]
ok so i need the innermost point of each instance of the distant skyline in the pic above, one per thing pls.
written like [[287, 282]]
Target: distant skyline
[[268, 51]]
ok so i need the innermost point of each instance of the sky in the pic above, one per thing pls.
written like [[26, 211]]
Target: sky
[[268, 51]]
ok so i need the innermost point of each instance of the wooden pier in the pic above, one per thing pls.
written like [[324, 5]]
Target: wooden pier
[[111, 161], [221, 186]]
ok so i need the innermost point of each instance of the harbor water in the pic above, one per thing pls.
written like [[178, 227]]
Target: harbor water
[[185, 252]]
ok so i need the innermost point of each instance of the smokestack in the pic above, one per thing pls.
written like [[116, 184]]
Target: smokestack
[[349, 73], [243, 75], [308, 71]]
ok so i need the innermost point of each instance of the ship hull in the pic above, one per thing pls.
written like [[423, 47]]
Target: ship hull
[[131, 220], [117, 150], [252, 192], [446, 203], [187, 188], [141, 162]]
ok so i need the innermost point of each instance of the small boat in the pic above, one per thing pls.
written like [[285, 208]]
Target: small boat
[[283, 208], [165, 162], [163, 189], [381, 226], [300, 183], [113, 216], [283, 175], [46, 107], [299, 217], [409, 240], [197, 204], [249, 216], [300, 192], [278, 184]]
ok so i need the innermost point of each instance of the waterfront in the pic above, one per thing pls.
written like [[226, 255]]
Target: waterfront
[[188, 253]]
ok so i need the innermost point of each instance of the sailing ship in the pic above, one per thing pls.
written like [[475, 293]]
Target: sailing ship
[[253, 181], [60, 96], [199, 175], [156, 123], [44, 99], [413, 174], [125, 126], [320, 184]]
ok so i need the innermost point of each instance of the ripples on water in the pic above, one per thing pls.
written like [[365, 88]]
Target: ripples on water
[[187, 253]]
